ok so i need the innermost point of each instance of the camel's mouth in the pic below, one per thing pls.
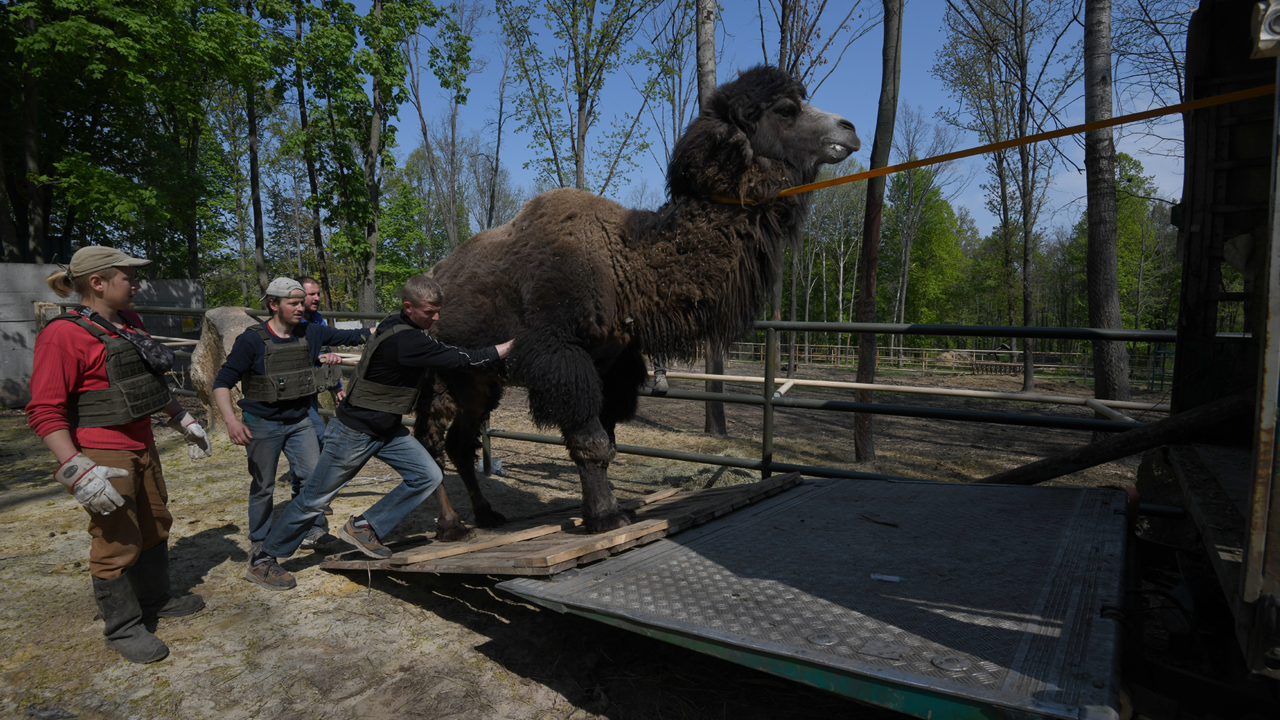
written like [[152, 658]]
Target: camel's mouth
[[834, 152]]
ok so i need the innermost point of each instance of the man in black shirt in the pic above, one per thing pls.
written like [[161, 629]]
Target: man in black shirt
[[276, 362], [368, 424]]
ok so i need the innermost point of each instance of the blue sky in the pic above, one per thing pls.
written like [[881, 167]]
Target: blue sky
[[852, 91]]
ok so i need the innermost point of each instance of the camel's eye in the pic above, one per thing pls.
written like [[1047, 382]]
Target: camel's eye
[[787, 109]]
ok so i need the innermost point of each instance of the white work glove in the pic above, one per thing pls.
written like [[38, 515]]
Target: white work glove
[[198, 445], [90, 484]]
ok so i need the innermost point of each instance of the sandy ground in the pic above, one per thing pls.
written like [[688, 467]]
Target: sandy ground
[[423, 646]]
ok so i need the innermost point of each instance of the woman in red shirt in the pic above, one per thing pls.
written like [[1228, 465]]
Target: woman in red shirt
[[94, 386]]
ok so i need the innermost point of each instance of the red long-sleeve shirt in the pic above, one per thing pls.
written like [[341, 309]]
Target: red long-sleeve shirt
[[71, 360]]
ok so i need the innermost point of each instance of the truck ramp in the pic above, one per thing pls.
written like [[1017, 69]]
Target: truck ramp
[[938, 600]]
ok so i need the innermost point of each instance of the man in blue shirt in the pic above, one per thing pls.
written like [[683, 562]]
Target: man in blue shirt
[[277, 364], [311, 314]]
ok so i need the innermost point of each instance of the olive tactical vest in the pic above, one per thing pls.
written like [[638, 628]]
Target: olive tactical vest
[[133, 391], [289, 372], [376, 396]]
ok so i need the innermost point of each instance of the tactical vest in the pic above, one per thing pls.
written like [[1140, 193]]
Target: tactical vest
[[370, 395], [289, 372], [133, 391]]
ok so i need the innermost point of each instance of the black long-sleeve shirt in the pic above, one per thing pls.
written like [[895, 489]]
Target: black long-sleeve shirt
[[248, 353], [400, 361]]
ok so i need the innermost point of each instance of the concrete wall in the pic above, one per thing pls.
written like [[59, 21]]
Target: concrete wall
[[22, 285]]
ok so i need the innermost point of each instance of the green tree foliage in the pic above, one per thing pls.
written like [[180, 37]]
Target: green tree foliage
[[117, 91]]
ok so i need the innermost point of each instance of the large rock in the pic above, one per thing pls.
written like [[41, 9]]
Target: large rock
[[221, 328]]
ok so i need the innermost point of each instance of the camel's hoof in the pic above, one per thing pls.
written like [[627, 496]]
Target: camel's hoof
[[452, 533], [612, 521], [490, 519]]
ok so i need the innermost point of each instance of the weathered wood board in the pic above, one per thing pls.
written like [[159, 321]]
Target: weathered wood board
[[554, 541]]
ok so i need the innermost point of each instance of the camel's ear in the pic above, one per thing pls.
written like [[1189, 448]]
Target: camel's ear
[[738, 109], [709, 159]]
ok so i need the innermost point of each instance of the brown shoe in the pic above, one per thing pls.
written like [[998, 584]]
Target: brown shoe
[[365, 540], [270, 575]]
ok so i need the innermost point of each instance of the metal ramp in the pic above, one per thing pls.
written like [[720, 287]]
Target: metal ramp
[[933, 599]]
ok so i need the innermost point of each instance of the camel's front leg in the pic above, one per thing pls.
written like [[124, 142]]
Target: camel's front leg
[[449, 525], [592, 451]]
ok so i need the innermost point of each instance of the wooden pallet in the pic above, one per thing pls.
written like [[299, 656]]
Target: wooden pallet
[[554, 541]]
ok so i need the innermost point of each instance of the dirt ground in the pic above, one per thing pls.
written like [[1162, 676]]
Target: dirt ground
[[401, 645]]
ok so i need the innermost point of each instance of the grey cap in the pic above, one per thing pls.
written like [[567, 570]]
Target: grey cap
[[92, 259], [283, 287]]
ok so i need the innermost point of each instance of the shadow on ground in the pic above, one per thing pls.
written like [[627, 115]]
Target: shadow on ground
[[606, 670]]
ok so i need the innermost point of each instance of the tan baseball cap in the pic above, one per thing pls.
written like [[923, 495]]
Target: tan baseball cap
[[92, 259], [283, 287]]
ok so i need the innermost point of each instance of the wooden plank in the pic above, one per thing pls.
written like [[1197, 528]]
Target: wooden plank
[[544, 549], [451, 549], [743, 496], [590, 543]]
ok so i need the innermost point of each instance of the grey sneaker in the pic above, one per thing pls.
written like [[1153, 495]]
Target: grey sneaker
[[365, 540], [318, 539], [270, 575]]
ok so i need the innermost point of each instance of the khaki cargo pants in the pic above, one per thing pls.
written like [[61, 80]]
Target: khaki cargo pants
[[141, 524]]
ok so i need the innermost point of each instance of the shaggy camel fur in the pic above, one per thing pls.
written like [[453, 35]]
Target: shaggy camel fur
[[585, 285]]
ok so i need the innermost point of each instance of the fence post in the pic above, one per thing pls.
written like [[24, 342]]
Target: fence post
[[770, 370]]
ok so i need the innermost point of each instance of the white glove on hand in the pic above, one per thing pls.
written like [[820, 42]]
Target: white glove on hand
[[89, 483], [198, 445]]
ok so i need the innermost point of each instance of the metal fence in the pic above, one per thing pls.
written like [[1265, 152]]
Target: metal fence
[[769, 399]]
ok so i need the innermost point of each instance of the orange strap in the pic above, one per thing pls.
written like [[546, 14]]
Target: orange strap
[[1256, 92]]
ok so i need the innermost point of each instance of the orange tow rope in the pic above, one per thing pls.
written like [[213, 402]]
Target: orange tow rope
[[1256, 92]]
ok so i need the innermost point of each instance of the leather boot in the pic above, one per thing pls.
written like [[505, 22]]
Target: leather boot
[[123, 618], [150, 578]]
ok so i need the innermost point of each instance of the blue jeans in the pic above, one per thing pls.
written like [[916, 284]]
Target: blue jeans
[[297, 440], [297, 478], [345, 453], [317, 422]]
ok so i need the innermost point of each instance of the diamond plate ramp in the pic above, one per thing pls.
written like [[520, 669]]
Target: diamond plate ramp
[[935, 599]]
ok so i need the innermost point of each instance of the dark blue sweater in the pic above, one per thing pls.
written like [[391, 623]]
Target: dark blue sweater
[[247, 355]]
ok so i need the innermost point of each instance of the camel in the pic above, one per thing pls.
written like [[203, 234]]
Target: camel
[[585, 286]]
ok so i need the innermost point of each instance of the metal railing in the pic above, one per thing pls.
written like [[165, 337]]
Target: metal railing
[[768, 400]]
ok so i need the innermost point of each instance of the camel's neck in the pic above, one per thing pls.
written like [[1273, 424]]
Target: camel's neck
[[698, 269]]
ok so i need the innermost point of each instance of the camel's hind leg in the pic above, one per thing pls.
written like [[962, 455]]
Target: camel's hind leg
[[474, 395], [434, 410]]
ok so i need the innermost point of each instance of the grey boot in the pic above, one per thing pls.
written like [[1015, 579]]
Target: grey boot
[[150, 578], [123, 618]]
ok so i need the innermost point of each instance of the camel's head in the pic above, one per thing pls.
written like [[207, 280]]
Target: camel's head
[[762, 115]]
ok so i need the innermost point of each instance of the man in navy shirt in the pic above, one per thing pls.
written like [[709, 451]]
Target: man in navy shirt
[[276, 362], [311, 314], [368, 424]]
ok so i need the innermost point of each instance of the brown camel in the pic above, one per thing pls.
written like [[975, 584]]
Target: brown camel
[[585, 285]]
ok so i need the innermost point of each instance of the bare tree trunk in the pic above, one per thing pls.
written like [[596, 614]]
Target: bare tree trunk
[[255, 193], [240, 230], [36, 226], [1110, 361], [193, 212], [497, 146], [322, 266], [706, 31], [368, 291], [11, 250], [886, 116], [1028, 223]]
